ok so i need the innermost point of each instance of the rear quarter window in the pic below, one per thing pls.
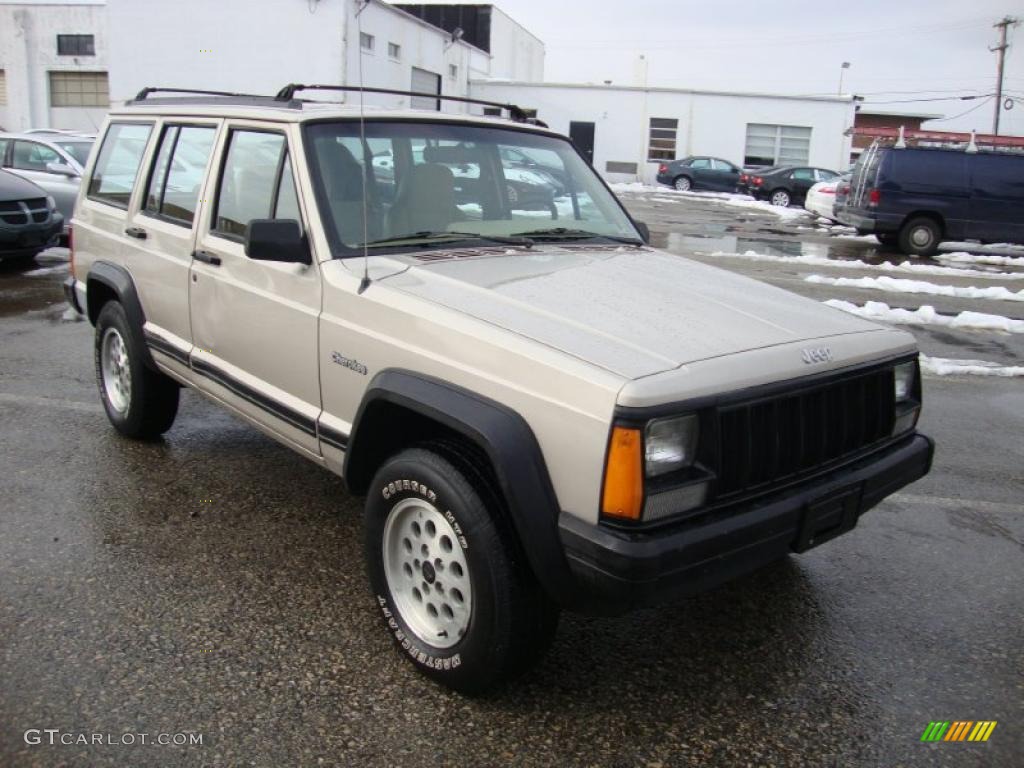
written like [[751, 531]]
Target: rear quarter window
[[117, 166]]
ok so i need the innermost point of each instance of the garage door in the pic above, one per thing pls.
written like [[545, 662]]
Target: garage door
[[424, 81]]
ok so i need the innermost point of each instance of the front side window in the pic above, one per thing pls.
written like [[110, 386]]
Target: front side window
[[32, 156], [421, 184], [256, 183], [117, 166], [178, 171], [79, 150]]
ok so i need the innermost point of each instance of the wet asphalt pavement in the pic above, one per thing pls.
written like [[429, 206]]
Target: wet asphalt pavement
[[213, 584]]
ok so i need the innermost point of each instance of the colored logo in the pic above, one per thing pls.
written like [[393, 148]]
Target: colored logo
[[958, 730]]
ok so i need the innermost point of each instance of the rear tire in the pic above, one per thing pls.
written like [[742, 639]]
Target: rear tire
[[448, 573], [141, 403], [683, 183], [920, 236], [780, 198]]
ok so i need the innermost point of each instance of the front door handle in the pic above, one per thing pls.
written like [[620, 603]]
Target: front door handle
[[206, 257], [137, 232]]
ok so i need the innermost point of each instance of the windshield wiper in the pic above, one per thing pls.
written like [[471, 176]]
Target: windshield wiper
[[449, 235], [576, 234]]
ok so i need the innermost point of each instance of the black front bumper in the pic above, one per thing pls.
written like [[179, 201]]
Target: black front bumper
[[617, 570]]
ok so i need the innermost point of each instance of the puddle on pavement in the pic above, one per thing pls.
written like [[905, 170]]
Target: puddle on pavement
[[34, 286]]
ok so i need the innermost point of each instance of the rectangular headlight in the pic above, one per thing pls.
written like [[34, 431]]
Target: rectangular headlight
[[904, 381], [670, 444]]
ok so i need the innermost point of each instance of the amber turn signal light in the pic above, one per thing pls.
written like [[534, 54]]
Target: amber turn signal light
[[624, 475]]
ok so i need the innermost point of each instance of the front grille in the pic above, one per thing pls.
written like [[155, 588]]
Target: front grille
[[37, 202], [14, 218], [769, 441], [8, 206], [40, 216]]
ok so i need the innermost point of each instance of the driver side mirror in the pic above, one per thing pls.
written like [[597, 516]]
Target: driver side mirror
[[277, 240], [644, 230], [63, 169]]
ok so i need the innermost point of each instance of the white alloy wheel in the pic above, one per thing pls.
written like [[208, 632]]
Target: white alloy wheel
[[427, 573], [780, 197], [683, 184], [116, 369]]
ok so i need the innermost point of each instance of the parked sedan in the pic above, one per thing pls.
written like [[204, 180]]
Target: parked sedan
[[821, 198], [699, 173], [29, 220], [54, 160], [784, 185]]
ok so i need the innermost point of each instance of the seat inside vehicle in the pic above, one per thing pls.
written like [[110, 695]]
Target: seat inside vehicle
[[425, 201]]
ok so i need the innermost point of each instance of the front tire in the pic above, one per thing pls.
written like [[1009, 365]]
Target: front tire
[[448, 573], [920, 236], [683, 183], [780, 198], [140, 402]]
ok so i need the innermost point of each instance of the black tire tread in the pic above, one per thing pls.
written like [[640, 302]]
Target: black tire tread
[[154, 402]]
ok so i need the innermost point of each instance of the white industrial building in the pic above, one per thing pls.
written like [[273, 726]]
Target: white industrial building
[[628, 130], [64, 62], [242, 46]]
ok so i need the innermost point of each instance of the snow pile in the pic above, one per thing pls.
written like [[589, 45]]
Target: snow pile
[[942, 366], [926, 315], [729, 198], [47, 270], [906, 266], [962, 257], [897, 285]]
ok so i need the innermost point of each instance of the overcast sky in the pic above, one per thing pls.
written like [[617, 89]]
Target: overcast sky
[[897, 49]]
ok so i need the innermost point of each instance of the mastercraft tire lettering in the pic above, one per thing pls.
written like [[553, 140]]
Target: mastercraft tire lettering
[[452, 593]]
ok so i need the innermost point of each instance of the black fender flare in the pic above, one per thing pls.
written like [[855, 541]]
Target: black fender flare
[[510, 445], [119, 280]]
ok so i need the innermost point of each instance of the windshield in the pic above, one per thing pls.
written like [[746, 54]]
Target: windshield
[[77, 149], [433, 183]]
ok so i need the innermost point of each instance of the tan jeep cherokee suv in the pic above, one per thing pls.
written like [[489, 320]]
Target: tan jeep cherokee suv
[[457, 316]]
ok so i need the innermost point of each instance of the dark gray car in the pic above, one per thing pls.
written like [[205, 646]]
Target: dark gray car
[[29, 220], [699, 173]]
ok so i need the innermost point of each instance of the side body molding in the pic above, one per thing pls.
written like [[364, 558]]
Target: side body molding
[[509, 443], [118, 280]]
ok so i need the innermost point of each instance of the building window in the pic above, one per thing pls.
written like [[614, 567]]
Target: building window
[[365, 41], [394, 50], [777, 144], [662, 142], [453, 72], [76, 45], [424, 81], [79, 89]]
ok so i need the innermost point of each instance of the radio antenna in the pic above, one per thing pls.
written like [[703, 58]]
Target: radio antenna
[[365, 282]]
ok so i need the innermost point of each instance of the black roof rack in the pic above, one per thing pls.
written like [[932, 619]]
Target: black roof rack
[[286, 98], [517, 113]]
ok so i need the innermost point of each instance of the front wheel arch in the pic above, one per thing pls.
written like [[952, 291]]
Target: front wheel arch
[[400, 408]]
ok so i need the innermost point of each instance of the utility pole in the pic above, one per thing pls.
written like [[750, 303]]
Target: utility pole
[[1002, 26]]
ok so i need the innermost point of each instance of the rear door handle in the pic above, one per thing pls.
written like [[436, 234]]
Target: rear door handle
[[137, 232], [206, 257]]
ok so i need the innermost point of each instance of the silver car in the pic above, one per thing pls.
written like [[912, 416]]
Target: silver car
[[53, 160]]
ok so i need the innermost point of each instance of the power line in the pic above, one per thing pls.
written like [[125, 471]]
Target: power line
[[966, 112], [940, 98]]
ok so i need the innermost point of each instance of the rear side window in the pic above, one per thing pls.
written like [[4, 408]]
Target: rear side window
[[178, 172], [117, 166], [256, 183]]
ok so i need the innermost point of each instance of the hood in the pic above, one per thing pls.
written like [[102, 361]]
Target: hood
[[631, 311], [13, 187]]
